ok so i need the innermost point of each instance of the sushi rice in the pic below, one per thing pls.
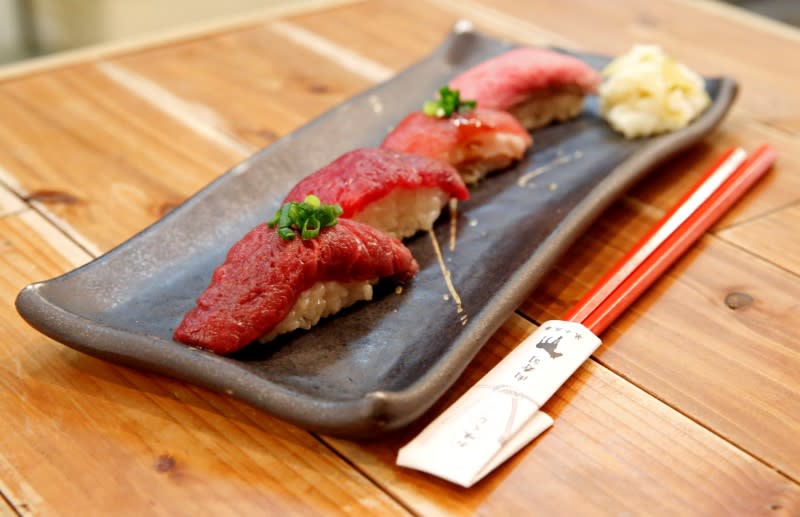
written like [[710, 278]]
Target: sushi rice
[[319, 301], [489, 152], [557, 106], [403, 212]]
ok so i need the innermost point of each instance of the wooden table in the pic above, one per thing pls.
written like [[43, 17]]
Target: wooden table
[[692, 405]]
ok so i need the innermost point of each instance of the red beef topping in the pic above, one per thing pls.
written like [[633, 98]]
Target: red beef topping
[[363, 176], [263, 275], [437, 138], [514, 76]]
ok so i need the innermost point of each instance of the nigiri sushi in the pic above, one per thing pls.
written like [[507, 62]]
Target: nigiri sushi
[[475, 141], [271, 283], [536, 85], [395, 192]]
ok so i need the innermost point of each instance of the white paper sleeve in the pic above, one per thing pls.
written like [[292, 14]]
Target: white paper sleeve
[[500, 414]]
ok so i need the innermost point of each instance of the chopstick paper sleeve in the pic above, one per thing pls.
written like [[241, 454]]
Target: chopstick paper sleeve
[[500, 414]]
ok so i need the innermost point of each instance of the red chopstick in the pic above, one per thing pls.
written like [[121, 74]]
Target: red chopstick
[[726, 165], [694, 213], [679, 241]]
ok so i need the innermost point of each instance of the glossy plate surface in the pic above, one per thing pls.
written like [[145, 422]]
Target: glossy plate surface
[[379, 365]]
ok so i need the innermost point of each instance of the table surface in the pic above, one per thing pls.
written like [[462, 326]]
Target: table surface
[[691, 406]]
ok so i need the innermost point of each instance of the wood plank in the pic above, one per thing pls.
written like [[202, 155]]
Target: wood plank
[[60, 244], [101, 162], [10, 203], [745, 17], [663, 187], [344, 57], [6, 510], [378, 40], [505, 24], [82, 436], [114, 138], [701, 40], [278, 85], [201, 30], [734, 371], [429, 20], [774, 237], [613, 450]]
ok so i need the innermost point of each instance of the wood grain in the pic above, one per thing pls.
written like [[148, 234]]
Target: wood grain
[[102, 161], [377, 40], [201, 30], [774, 237], [780, 187], [731, 369], [278, 85], [613, 450], [96, 127], [81, 436], [752, 19], [9, 202], [6, 510]]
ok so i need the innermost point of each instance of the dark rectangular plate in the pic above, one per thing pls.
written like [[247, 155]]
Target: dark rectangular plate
[[378, 365]]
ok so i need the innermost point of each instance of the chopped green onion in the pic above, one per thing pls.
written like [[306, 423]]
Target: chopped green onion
[[286, 233], [308, 218], [449, 102], [311, 228], [285, 219]]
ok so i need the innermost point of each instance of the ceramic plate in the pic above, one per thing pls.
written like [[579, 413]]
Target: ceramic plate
[[379, 365]]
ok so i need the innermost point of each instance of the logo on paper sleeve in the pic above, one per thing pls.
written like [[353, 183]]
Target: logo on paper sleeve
[[550, 344]]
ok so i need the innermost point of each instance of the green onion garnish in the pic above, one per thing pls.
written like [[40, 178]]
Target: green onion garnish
[[308, 218], [449, 102]]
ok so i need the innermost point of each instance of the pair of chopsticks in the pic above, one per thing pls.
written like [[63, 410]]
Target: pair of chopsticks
[[727, 180]]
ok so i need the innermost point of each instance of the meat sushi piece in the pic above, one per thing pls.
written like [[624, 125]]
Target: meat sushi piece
[[395, 192], [268, 285], [475, 143], [536, 85]]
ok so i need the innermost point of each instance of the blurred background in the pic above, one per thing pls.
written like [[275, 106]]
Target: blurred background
[[30, 28]]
